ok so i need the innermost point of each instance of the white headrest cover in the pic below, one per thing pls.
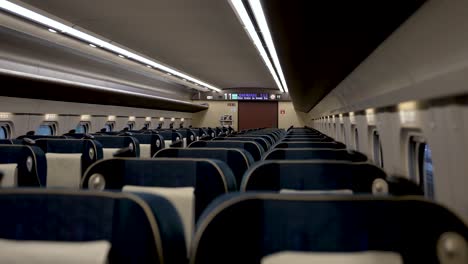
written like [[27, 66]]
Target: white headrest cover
[[368, 257], [167, 143], [10, 175], [63, 170], [53, 252], [108, 153], [182, 198], [145, 151]]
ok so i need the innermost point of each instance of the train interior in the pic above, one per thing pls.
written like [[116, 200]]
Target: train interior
[[234, 131]]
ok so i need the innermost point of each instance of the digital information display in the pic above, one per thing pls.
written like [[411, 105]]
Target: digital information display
[[252, 96]]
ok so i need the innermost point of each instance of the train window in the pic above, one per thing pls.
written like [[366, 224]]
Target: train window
[[130, 125], [356, 139], [109, 126], [46, 129], [82, 128], [3, 132], [343, 133], [377, 149], [420, 165]]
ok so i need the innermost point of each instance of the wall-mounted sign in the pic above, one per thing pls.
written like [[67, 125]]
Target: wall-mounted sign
[[252, 96]]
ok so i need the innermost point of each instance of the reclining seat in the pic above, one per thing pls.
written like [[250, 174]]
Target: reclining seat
[[188, 136], [311, 153], [22, 166], [138, 228], [313, 139], [172, 139], [185, 182], [305, 144], [269, 138], [149, 144], [254, 227], [252, 147], [239, 160], [264, 143], [68, 159], [112, 144], [316, 175]]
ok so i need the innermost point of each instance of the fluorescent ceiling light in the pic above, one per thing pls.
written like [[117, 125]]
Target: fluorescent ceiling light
[[262, 23], [92, 45], [57, 26], [245, 19], [149, 66], [53, 31], [121, 56]]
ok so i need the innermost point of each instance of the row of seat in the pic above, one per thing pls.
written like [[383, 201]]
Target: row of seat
[[199, 185]]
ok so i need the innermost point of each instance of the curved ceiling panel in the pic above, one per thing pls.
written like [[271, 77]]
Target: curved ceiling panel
[[201, 38], [319, 43]]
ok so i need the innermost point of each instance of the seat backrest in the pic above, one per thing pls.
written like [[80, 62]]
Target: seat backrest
[[295, 139], [111, 144], [149, 144], [246, 227], [305, 144], [265, 145], [239, 160], [210, 178], [312, 153], [141, 228], [269, 138], [68, 159], [306, 175], [23, 166], [252, 147]]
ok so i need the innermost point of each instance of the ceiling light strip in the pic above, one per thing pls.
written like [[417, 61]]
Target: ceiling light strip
[[257, 9], [245, 19], [55, 25]]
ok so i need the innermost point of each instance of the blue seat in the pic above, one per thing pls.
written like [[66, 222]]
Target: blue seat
[[30, 163], [313, 139], [239, 160], [210, 178], [141, 228], [314, 175], [264, 143], [305, 144], [149, 144], [269, 138], [253, 148], [188, 135], [171, 137], [311, 153], [111, 144], [244, 228], [68, 159]]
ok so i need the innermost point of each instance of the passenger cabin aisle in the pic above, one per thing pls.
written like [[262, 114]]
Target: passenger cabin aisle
[[233, 131]]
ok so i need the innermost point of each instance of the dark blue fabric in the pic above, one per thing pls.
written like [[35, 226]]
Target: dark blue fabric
[[120, 142], [234, 158], [256, 225], [306, 175], [332, 145], [74, 216], [311, 153], [295, 139], [264, 143], [19, 154], [73, 146], [203, 175], [252, 147], [151, 139]]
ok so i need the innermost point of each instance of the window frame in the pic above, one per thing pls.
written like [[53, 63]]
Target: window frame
[[416, 148], [130, 125], [52, 125], [111, 125], [376, 145], [86, 125], [355, 133]]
